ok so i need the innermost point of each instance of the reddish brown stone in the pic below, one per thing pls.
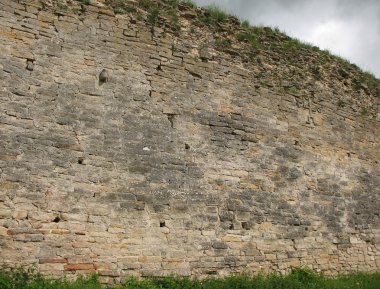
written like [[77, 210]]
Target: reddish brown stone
[[83, 266], [60, 231], [53, 260]]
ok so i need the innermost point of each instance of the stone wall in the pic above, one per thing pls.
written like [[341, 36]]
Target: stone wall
[[178, 163]]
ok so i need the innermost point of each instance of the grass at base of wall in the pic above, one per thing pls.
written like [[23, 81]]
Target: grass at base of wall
[[298, 279]]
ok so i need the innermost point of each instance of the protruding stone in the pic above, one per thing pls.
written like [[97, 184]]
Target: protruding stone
[[30, 65]]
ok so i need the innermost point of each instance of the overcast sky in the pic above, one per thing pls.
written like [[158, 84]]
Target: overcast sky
[[348, 28]]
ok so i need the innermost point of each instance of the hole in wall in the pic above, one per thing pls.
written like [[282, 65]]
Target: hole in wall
[[80, 160], [231, 227], [296, 142], [187, 147], [211, 272], [245, 225], [57, 219], [159, 68], [204, 59], [103, 77], [162, 224], [349, 155], [171, 119]]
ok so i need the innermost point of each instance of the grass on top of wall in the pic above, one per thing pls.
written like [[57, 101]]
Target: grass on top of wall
[[298, 279]]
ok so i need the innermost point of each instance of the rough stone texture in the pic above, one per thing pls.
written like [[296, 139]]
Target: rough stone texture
[[173, 165]]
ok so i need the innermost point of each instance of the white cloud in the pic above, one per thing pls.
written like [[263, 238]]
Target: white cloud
[[333, 35]]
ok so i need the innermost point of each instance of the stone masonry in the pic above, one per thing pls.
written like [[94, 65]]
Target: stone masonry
[[179, 160]]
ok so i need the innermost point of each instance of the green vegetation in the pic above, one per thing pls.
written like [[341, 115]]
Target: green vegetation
[[29, 279], [245, 24], [189, 3], [171, 12], [294, 45], [297, 279], [172, 3], [249, 37], [213, 15], [364, 111], [341, 103], [223, 43], [316, 71], [371, 82], [120, 6], [174, 49], [153, 14], [86, 2], [62, 6], [146, 4]]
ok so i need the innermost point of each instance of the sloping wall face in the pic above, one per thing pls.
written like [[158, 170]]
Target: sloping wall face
[[171, 163]]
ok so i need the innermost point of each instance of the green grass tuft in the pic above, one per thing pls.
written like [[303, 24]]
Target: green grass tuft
[[223, 43], [249, 37], [120, 6], [153, 14], [146, 4], [213, 15], [189, 3]]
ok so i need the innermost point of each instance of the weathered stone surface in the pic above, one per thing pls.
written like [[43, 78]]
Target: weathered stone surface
[[187, 160]]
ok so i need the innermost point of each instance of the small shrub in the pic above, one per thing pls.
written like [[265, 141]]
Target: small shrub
[[257, 30], [172, 15], [172, 3], [146, 4], [364, 111], [372, 83], [86, 2], [222, 43], [120, 7], [153, 14], [245, 24], [140, 16], [249, 37], [341, 103], [304, 275], [131, 9], [43, 4], [242, 36], [316, 70], [356, 84]]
